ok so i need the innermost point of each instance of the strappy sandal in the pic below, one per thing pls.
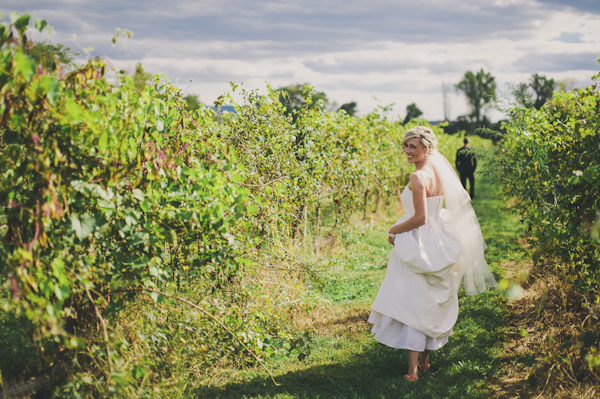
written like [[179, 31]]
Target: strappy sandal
[[425, 367], [410, 378]]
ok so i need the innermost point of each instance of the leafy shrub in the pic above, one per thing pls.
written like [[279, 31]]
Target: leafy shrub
[[549, 160], [109, 192]]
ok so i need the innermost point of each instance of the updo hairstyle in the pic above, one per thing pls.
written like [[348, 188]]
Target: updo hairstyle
[[425, 136]]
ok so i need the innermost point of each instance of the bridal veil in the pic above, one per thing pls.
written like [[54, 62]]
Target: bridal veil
[[471, 267]]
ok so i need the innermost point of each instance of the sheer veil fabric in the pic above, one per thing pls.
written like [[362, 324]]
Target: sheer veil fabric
[[471, 267]]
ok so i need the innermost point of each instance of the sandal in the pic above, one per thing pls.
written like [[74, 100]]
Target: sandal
[[410, 378], [425, 367]]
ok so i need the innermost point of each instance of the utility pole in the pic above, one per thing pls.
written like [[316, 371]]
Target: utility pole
[[446, 100]]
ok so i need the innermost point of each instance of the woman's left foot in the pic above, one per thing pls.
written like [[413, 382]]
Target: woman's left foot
[[425, 366], [410, 378]]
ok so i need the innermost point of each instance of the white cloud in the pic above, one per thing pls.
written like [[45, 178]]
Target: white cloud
[[396, 50]]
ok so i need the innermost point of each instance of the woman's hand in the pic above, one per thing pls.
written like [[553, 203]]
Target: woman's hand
[[391, 240]]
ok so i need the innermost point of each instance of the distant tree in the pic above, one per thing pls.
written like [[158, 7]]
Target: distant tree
[[192, 102], [480, 90], [536, 92], [293, 98], [460, 124], [412, 112], [51, 57], [523, 95], [349, 108], [141, 78], [543, 89], [485, 121]]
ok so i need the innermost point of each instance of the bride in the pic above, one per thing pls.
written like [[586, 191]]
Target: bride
[[434, 249]]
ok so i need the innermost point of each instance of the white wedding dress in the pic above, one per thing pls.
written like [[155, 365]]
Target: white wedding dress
[[417, 304]]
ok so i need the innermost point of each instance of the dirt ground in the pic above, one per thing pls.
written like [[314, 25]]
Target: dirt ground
[[545, 356]]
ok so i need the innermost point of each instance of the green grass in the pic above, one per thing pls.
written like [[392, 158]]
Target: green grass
[[358, 367], [351, 364], [356, 274], [501, 227]]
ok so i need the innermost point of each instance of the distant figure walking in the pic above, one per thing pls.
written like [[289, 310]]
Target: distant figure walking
[[466, 163]]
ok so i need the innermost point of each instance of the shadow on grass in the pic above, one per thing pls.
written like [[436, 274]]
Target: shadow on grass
[[459, 369]]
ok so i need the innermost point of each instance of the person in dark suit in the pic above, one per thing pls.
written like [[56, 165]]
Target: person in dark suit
[[466, 163]]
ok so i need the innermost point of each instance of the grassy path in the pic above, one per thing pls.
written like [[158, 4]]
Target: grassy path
[[346, 362]]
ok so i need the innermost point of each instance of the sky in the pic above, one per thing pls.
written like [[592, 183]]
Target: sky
[[376, 53]]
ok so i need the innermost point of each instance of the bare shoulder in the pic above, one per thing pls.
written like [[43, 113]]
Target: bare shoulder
[[417, 179], [419, 176], [422, 180]]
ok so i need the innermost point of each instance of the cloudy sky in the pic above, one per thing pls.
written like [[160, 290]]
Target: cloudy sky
[[373, 52]]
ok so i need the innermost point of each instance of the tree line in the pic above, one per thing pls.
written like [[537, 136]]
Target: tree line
[[479, 89]]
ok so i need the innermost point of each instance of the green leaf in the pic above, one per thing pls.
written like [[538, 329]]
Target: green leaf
[[75, 224], [14, 16], [83, 227], [138, 194], [138, 372], [106, 205], [236, 177], [252, 210], [157, 297], [40, 24], [24, 66], [22, 22], [88, 224], [58, 292], [103, 141], [132, 145], [138, 238], [144, 205], [58, 268], [73, 109], [51, 86], [81, 186]]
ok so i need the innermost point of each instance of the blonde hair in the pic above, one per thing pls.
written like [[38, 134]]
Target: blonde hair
[[425, 136]]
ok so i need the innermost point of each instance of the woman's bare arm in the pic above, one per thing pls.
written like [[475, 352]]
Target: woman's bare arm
[[420, 204]]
